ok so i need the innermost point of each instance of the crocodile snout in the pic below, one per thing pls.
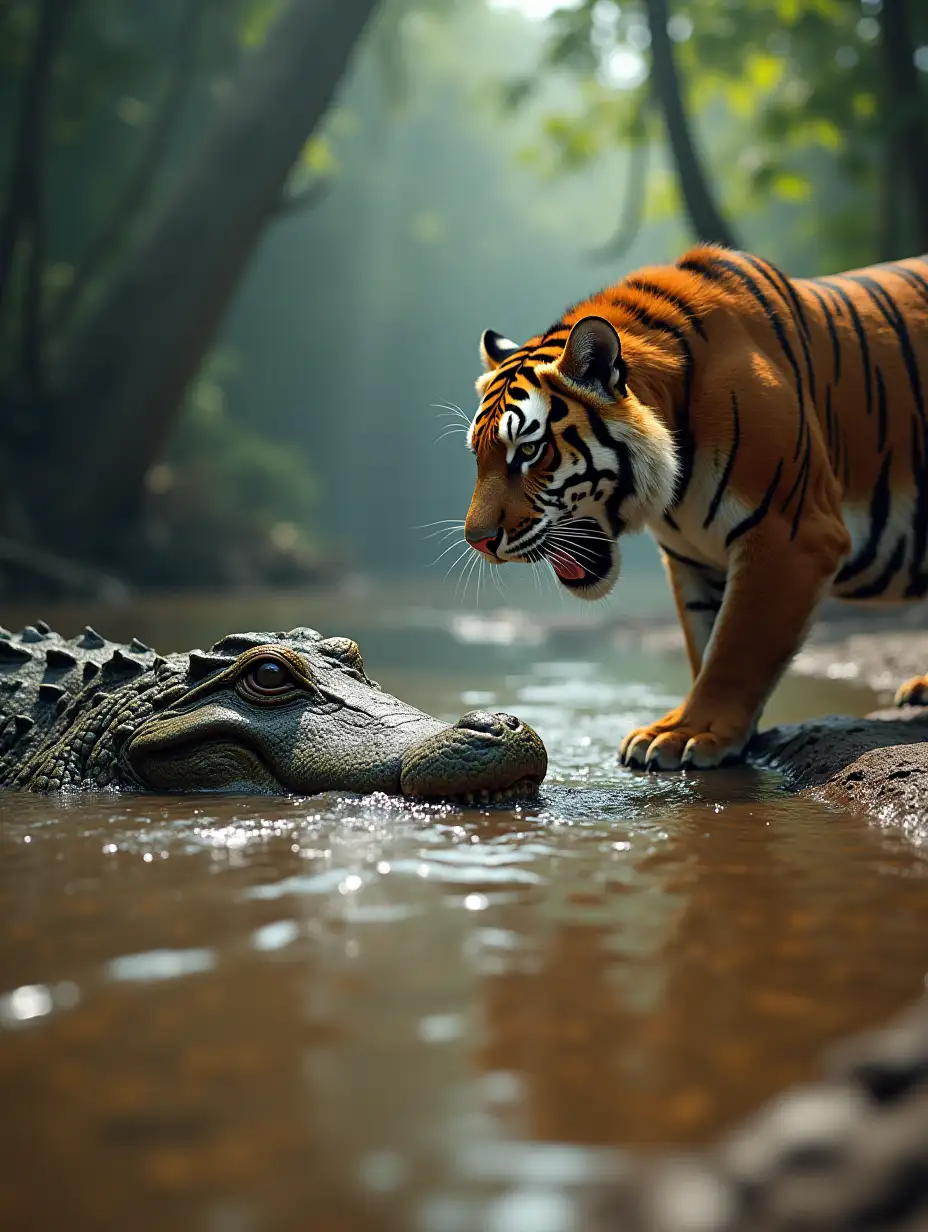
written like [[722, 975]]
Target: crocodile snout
[[484, 756], [490, 724]]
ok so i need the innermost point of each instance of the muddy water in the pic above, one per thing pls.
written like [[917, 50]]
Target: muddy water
[[244, 1015]]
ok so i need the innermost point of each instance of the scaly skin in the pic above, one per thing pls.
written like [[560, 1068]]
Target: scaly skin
[[259, 713]]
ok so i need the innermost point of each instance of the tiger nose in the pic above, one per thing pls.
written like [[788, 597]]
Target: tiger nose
[[483, 541]]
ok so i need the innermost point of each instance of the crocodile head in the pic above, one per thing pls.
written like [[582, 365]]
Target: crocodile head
[[271, 713]]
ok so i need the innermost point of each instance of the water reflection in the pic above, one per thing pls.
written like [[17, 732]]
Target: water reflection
[[234, 1015]]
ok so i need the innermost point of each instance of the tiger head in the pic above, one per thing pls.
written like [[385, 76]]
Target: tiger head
[[568, 457]]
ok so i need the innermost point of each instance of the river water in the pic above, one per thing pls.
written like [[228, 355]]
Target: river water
[[252, 1015]]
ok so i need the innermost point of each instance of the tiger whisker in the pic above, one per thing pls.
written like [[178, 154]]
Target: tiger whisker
[[454, 430], [456, 560], [465, 578], [447, 533], [564, 530], [451, 546], [453, 409]]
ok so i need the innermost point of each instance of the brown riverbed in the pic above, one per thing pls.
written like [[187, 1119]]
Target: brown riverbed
[[244, 1015]]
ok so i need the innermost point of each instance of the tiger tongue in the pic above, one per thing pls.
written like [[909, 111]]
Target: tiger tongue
[[565, 566]]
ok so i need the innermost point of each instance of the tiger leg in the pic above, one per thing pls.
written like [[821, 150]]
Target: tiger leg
[[697, 593], [913, 692], [773, 589]]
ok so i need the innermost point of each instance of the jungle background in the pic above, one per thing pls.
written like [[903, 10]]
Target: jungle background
[[247, 247]]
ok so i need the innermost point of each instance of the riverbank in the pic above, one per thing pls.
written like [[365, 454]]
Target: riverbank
[[878, 764]]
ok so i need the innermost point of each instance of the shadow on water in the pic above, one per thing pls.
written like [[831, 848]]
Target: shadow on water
[[240, 1014]]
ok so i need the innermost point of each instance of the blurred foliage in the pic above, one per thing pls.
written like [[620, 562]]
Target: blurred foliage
[[791, 95], [132, 87], [111, 79], [226, 506]]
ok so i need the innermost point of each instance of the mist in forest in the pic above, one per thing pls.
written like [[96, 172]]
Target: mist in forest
[[248, 247]]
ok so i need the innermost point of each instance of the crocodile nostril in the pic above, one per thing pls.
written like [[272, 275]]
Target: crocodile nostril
[[509, 719], [480, 721]]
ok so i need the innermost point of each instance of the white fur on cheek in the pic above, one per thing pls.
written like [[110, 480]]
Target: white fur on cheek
[[654, 467]]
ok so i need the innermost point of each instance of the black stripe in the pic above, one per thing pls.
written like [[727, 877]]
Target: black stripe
[[684, 560], [802, 478], [801, 505], [879, 516], [890, 310], [729, 465], [799, 474], [686, 439], [519, 395], [879, 584], [880, 411], [791, 294], [625, 475], [692, 266], [915, 281], [652, 288], [624, 488], [559, 410], [858, 330], [532, 377], [784, 289], [571, 435], [829, 321], [778, 328], [828, 425], [704, 605], [755, 518]]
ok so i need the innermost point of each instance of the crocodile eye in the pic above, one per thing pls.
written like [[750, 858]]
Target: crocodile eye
[[269, 676]]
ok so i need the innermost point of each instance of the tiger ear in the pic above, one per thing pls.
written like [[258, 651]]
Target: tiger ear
[[592, 359], [495, 349]]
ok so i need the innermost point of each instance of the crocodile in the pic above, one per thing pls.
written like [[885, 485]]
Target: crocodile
[[267, 713]]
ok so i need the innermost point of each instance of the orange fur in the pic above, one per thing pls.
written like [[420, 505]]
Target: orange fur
[[773, 436]]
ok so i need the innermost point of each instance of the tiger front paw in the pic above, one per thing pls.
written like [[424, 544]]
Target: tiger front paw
[[677, 742], [913, 692]]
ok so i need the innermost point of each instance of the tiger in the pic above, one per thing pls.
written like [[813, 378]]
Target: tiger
[[769, 432]]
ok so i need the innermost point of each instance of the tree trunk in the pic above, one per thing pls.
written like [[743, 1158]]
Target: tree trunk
[[906, 107], [28, 143], [126, 370], [706, 218]]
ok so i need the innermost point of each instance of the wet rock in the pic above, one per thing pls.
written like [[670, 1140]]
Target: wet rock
[[849, 1154], [820, 751], [887, 1063], [876, 765]]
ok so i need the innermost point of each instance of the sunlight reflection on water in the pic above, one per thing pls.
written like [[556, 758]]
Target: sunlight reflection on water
[[409, 1015]]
